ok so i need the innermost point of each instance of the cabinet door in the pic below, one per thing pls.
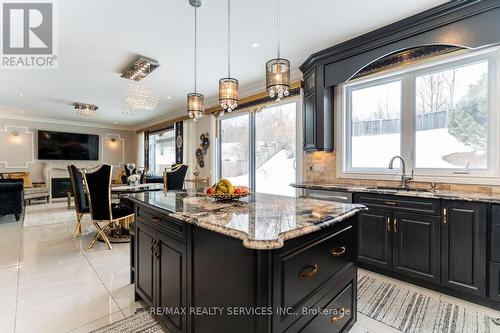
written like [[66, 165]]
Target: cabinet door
[[416, 246], [144, 263], [310, 122], [172, 281], [464, 247], [375, 238]]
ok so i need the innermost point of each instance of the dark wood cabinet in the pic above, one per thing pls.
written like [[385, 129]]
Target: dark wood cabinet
[[464, 234], [416, 245], [318, 113], [145, 263], [375, 238], [171, 282]]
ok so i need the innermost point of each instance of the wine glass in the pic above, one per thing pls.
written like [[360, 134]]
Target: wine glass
[[130, 167]]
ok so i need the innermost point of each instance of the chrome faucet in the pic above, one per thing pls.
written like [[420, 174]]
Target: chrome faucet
[[404, 178]]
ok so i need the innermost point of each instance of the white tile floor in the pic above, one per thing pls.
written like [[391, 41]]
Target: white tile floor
[[52, 283]]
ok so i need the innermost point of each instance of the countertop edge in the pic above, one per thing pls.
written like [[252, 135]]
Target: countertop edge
[[445, 195]]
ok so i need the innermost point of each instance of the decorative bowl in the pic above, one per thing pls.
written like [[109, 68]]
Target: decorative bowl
[[228, 197]]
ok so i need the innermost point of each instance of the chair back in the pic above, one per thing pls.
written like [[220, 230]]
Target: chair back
[[99, 188], [175, 178], [81, 200]]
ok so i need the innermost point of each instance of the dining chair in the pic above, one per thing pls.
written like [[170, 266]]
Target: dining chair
[[80, 197], [102, 210], [173, 177]]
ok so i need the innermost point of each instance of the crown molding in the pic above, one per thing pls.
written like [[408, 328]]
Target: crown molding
[[63, 122]]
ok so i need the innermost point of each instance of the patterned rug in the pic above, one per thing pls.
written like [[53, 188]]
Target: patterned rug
[[409, 311], [48, 213], [141, 321]]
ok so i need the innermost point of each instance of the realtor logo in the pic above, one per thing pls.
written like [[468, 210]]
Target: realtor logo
[[28, 35]]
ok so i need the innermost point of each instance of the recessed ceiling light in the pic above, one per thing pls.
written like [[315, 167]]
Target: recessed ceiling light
[[169, 97], [254, 45], [21, 111], [114, 122], [20, 95]]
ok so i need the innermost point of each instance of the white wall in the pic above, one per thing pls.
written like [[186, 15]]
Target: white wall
[[20, 153]]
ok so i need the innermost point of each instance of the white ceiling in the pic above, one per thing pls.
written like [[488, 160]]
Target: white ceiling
[[99, 39]]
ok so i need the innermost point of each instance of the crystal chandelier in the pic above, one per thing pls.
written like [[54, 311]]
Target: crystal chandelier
[[278, 70], [141, 96], [195, 106], [86, 110], [228, 87]]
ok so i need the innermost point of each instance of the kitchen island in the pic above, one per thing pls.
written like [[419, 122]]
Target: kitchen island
[[265, 263]]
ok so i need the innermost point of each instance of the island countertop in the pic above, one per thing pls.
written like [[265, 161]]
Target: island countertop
[[261, 221]]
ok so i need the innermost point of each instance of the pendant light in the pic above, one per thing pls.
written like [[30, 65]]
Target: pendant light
[[195, 107], [278, 70], [228, 86]]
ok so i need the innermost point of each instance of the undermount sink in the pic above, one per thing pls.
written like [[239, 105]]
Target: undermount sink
[[396, 189]]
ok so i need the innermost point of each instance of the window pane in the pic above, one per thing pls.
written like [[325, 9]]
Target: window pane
[[452, 118], [161, 151], [235, 149], [275, 149], [376, 125]]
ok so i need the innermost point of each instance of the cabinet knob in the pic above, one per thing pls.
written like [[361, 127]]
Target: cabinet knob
[[156, 220], [310, 271], [340, 315], [339, 251]]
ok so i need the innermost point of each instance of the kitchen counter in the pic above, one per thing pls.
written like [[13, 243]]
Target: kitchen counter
[[297, 253], [447, 195], [261, 221]]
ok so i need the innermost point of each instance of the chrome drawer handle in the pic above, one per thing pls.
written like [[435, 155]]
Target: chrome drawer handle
[[341, 315], [339, 251], [310, 273], [392, 203]]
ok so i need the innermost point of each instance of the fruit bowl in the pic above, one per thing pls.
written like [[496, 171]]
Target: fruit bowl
[[227, 197], [225, 191]]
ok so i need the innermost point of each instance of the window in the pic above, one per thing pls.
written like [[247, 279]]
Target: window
[[161, 150], [440, 116], [259, 150]]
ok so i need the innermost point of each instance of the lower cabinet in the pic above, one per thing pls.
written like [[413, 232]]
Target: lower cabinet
[[495, 281], [416, 245], [447, 247], [160, 274], [463, 242], [400, 242]]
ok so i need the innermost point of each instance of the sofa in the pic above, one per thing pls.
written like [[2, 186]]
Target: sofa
[[11, 197], [32, 190]]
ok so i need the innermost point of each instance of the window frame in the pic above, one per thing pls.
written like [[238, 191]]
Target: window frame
[[164, 129], [300, 154], [408, 75]]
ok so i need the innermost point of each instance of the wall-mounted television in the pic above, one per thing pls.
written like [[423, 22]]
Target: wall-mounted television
[[67, 146]]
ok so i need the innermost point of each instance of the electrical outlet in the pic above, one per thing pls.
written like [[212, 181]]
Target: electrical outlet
[[318, 168]]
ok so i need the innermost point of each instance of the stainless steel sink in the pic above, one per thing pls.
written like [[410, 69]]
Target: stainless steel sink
[[396, 189]]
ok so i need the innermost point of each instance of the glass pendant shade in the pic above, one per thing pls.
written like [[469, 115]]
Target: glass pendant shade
[[228, 94], [278, 78], [195, 107]]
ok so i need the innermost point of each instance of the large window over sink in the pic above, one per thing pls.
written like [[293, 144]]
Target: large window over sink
[[439, 114]]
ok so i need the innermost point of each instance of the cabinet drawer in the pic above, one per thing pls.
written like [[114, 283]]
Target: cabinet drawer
[[336, 315], [167, 225], [307, 268], [406, 204], [495, 281]]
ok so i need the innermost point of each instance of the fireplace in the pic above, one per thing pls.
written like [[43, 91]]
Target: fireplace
[[60, 186]]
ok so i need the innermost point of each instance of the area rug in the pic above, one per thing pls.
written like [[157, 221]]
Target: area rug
[[141, 321], [410, 311], [48, 213]]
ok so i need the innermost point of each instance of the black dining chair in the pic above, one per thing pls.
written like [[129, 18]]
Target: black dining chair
[[80, 197], [173, 178], [102, 210]]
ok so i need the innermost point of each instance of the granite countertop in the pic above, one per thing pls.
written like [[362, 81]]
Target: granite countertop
[[261, 221], [449, 195]]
